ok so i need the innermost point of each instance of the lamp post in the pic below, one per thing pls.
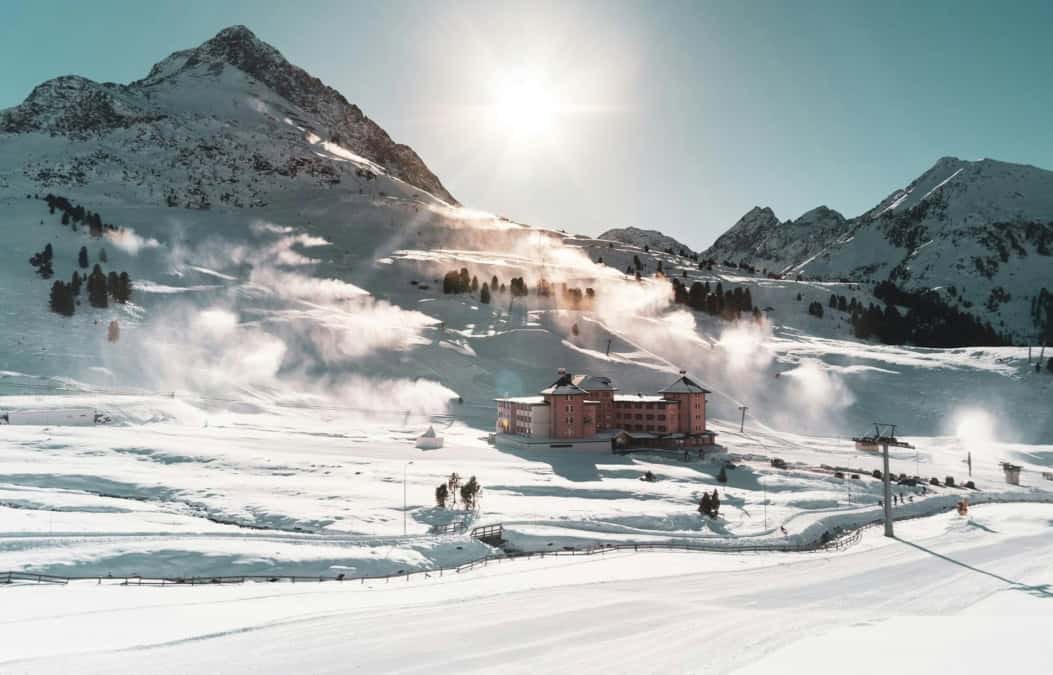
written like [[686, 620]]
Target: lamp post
[[404, 470]]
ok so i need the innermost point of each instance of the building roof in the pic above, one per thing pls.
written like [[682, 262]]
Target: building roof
[[644, 398], [684, 385], [595, 383], [430, 433], [526, 400], [564, 386], [637, 435]]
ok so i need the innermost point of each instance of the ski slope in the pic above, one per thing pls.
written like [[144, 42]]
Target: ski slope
[[954, 593]]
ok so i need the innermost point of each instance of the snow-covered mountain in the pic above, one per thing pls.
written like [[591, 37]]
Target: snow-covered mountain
[[229, 122], [652, 239], [980, 233], [317, 268]]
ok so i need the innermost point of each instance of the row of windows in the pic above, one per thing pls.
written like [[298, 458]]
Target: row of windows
[[641, 427], [640, 406], [640, 416]]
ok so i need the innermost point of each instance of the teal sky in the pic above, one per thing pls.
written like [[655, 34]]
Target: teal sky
[[677, 116]]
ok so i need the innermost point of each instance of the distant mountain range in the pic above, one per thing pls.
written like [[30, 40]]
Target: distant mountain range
[[653, 239], [979, 233], [229, 122], [232, 123]]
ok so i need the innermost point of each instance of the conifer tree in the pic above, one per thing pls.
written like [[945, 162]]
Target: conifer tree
[[124, 287], [82, 257], [97, 288], [470, 494], [61, 300], [484, 294]]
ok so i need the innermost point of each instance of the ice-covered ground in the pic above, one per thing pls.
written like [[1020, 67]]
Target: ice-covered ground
[[279, 491], [275, 366], [951, 594]]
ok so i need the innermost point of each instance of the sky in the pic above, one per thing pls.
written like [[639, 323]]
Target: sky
[[677, 116]]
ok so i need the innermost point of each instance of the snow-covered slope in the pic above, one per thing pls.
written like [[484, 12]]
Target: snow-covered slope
[[980, 232], [229, 122], [652, 239]]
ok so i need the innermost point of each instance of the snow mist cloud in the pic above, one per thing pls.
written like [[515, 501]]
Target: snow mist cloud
[[274, 330]]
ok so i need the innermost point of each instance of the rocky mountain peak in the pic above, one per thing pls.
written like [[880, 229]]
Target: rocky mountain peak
[[216, 112]]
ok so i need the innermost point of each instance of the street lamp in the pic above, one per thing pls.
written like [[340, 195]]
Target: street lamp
[[404, 470]]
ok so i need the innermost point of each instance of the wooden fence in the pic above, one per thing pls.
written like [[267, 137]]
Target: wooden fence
[[825, 544]]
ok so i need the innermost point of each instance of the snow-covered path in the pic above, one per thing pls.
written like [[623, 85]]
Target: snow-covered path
[[950, 591]]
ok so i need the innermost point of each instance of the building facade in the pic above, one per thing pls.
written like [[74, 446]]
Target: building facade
[[582, 406]]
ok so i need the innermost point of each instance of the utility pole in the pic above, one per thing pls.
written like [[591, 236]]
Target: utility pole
[[742, 424], [888, 491], [765, 488], [608, 346], [887, 438], [404, 470]]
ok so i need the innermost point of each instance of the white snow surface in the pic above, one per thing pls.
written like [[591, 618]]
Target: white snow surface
[[956, 594], [284, 348]]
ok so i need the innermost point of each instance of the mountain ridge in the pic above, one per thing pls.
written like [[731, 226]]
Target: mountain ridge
[[978, 232], [184, 95], [640, 238]]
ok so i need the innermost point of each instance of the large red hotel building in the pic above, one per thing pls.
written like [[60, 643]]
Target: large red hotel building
[[578, 407]]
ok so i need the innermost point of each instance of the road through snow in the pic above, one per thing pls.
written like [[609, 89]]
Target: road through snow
[[950, 592]]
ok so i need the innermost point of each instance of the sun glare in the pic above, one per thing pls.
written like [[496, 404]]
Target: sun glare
[[524, 106]]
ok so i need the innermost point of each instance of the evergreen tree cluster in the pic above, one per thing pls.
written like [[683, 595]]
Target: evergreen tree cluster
[[457, 281], [709, 504], [816, 309], [1042, 315], [715, 300], [517, 287], [42, 261], [63, 299], [463, 281], [73, 215], [929, 322]]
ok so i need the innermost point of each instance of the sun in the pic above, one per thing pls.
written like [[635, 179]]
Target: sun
[[524, 106]]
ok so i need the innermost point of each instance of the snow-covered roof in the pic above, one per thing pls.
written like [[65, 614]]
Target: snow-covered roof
[[638, 435], [684, 385], [527, 400], [430, 433], [594, 382], [643, 398], [564, 386]]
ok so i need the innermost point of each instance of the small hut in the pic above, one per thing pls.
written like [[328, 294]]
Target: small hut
[[429, 440], [1012, 473]]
